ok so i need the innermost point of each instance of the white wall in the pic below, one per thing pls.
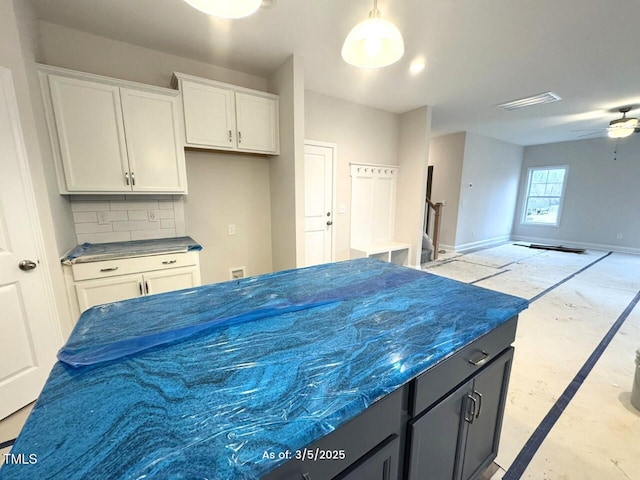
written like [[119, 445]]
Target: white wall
[[446, 154], [362, 134], [69, 48], [229, 189], [287, 169], [18, 52], [602, 197], [222, 187], [413, 156], [488, 191]]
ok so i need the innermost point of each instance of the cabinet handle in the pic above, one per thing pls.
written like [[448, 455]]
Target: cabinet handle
[[483, 357], [126, 177], [146, 287], [110, 269], [479, 395], [169, 262], [474, 404], [140, 287], [133, 178], [230, 137], [239, 137]]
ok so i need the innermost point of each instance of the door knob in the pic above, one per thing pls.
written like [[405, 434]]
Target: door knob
[[27, 265], [329, 223]]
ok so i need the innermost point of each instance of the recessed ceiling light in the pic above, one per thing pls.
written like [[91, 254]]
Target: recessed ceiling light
[[417, 66], [546, 97]]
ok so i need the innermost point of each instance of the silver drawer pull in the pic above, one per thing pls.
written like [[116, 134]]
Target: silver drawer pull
[[481, 359], [110, 269], [169, 262]]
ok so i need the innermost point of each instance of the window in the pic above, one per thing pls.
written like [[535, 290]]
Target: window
[[545, 190]]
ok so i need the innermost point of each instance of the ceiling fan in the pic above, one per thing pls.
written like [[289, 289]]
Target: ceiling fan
[[620, 127]]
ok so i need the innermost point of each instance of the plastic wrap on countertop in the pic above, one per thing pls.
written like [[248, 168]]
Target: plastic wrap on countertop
[[210, 404], [93, 252]]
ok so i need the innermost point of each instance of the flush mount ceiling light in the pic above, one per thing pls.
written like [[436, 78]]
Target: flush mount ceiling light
[[226, 8], [622, 127], [373, 43]]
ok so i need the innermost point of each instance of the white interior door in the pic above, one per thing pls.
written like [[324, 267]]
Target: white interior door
[[29, 333], [318, 203]]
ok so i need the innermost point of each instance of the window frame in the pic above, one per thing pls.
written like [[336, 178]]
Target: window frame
[[525, 200]]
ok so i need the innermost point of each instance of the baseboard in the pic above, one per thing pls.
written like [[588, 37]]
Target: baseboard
[[571, 243], [491, 242]]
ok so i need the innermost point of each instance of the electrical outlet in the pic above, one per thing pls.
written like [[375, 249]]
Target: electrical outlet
[[103, 218], [237, 272], [152, 215], [232, 229], [619, 236]]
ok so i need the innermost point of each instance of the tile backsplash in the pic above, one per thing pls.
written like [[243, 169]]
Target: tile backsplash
[[116, 218]]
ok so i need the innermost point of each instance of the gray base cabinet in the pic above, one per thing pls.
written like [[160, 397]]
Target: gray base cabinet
[[443, 425], [458, 438]]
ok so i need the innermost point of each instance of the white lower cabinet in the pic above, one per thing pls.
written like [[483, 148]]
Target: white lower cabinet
[[96, 283]]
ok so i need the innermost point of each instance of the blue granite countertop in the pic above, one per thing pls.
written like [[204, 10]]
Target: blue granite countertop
[[94, 252], [200, 383]]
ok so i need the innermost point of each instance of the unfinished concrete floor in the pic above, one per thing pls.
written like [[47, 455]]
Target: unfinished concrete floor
[[597, 436]]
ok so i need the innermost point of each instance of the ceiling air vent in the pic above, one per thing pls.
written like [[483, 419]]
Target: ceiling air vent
[[546, 97]]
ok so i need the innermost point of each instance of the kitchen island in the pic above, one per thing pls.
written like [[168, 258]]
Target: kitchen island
[[221, 381]]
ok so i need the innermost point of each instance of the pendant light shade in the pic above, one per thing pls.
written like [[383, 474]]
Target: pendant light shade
[[373, 43], [226, 8]]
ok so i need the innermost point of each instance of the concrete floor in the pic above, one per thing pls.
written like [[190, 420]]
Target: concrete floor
[[598, 435]]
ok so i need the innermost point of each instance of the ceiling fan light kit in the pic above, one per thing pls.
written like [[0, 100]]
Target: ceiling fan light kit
[[622, 127], [226, 8], [373, 43]]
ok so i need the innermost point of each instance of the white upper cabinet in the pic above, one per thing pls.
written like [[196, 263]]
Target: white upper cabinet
[[112, 136], [211, 117], [226, 117], [257, 123], [88, 118], [156, 152]]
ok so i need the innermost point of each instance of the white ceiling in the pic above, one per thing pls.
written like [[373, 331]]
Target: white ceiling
[[479, 53]]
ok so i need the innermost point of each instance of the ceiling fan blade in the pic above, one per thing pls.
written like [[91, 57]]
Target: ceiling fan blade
[[589, 134]]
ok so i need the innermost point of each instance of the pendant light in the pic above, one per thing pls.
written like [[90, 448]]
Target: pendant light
[[373, 43], [226, 8]]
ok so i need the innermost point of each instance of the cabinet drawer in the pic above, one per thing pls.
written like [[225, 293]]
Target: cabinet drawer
[[438, 380], [125, 266]]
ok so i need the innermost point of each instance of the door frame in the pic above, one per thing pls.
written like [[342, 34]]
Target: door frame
[[33, 220], [334, 179]]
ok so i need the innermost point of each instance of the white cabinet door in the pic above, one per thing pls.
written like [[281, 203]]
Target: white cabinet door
[[88, 118], [171, 279], [257, 119], [106, 290], [209, 115], [154, 141]]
